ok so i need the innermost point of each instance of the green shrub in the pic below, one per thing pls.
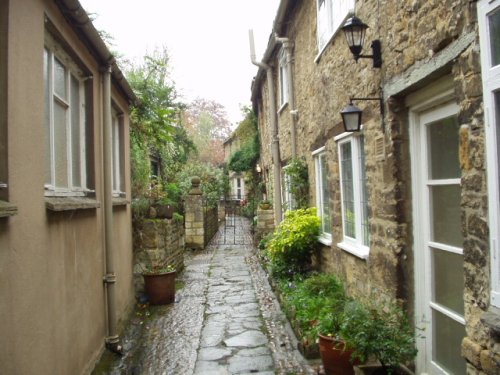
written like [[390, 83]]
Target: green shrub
[[293, 243], [314, 304], [379, 330]]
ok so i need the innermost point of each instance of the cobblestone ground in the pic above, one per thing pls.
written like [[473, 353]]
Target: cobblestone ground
[[226, 319]]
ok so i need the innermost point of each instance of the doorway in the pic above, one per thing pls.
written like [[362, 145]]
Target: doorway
[[438, 240]]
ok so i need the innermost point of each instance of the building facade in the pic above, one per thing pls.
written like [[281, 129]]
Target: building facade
[[409, 204], [65, 219]]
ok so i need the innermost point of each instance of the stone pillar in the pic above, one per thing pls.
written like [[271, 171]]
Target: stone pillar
[[193, 205], [265, 223]]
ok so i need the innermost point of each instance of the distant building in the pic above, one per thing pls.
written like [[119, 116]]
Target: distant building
[[236, 179], [409, 204], [65, 218]]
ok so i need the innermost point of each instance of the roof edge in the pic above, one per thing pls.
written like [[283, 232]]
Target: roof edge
[[83, 26]]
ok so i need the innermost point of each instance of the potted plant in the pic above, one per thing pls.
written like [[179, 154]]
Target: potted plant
[[379, 331], [336, 353], [265, 204], [159, 282]]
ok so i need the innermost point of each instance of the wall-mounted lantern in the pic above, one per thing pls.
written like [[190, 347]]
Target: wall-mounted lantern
[[351, 115], [354, 31]]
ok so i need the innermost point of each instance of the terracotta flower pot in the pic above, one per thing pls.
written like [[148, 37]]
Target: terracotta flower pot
[[160, 288], [336, 358]]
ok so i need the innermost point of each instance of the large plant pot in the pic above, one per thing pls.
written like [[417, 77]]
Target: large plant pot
[[335, 357], [379, 370], [160, 288]]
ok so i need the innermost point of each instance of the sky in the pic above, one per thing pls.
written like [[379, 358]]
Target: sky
[[207, 41]]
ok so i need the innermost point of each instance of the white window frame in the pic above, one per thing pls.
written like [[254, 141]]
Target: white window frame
[[319, 156], [354, 245], [54, 51], [283, 78], [117, 139], [331, 15], [491, 85]]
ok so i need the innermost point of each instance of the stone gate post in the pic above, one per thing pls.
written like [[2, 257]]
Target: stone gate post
[[195, 231]]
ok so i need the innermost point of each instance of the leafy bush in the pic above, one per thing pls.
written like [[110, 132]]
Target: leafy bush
[[293, 243], [214, 183], [315, 304], [379, 330], [298, 183]]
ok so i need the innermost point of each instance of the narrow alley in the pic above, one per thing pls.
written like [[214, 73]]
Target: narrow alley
[[226, 319]]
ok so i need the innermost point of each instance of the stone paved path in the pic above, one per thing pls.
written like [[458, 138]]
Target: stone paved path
[[226, 320]]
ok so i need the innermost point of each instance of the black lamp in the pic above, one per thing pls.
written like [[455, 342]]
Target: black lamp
[[351, 117], [354, 31]]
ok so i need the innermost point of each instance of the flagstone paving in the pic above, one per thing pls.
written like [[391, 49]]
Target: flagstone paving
[[226, 319]]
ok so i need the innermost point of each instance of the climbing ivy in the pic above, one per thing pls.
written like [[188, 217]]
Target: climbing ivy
[[298, 183]]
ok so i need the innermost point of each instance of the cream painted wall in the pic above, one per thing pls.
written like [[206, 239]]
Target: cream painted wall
[[52, 314]]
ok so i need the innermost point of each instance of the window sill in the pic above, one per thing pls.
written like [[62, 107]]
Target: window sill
[[491, 319], [7, 209], [360, 252], [325, 240], [119, 201], [58, 204]]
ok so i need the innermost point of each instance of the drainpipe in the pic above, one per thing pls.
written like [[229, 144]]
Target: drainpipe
[[112, 339], [275, 149], [288, 46]]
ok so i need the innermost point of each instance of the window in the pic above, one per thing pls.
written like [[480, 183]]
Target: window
[[331, 15], [489, 32], [283, 69], [65, 124], [322, 195], [117, 157], [356, 236]]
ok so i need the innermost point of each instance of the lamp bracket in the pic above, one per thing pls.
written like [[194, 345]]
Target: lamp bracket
[[381, 102], [376, 54]]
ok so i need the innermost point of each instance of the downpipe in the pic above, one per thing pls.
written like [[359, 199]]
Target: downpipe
[[275, 148], [112, 339], [288, 46]]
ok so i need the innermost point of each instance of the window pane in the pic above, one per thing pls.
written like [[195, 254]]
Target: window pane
[[60, 79], [75, 133], [443, 145], [448, 335], [494, 19], [46, 119], [348, 190], [497, 128], [322, 23], [60, 145], [326, 219], [364, 197], [446, 215], [448, 279]]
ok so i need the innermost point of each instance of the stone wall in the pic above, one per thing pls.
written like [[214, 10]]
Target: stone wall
[[157, 240], [265, 224], [422, 42]]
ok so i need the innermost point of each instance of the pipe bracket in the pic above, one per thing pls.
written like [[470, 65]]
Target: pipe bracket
[[109, 278]]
